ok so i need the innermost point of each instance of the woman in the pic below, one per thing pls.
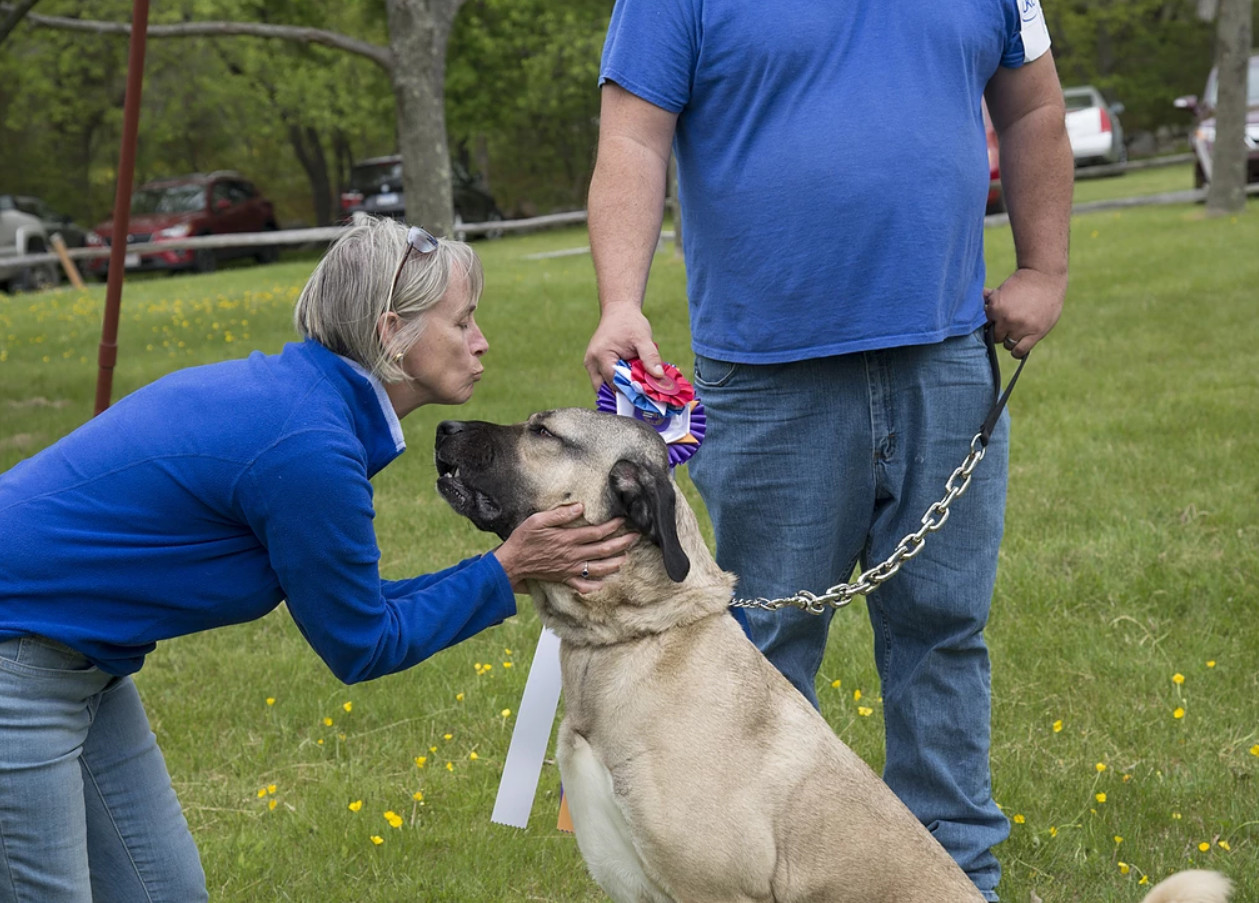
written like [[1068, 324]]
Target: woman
[[205, 499]]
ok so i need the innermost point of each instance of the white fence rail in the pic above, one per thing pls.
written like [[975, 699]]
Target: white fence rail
[[316, 236], [327, 234]]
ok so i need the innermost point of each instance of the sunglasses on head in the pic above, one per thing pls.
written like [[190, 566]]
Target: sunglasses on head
[[420, 240]]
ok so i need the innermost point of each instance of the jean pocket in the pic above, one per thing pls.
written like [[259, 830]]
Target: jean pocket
[[713, 373], [38, 656]]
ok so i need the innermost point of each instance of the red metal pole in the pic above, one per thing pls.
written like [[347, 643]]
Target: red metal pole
[[108, 354]]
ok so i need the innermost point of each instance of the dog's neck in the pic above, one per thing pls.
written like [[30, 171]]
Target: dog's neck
[[639, 600]]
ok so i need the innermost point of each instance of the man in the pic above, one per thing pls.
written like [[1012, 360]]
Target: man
[[833, 178]]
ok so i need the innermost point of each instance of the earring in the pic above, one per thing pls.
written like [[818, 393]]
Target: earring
[[397, 358]]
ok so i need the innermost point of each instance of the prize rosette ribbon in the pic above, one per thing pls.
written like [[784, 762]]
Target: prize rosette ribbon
[[665, 403], [668, 405]]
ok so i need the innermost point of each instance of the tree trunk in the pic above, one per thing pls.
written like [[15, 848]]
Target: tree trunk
[[1226, 193], [418, 34], [308, 148], [675, 206]]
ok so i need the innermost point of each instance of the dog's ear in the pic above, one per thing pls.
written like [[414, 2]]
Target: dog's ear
[[643, 495]]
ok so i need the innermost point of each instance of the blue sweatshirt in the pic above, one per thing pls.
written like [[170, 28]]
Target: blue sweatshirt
[[210, 496]]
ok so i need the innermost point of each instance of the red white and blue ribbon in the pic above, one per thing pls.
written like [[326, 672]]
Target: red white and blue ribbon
[[667, 404]]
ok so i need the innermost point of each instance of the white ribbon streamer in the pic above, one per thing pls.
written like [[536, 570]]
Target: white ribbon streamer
[[529, 738]]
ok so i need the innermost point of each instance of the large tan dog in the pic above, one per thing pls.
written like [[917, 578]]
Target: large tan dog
[[694, 771]]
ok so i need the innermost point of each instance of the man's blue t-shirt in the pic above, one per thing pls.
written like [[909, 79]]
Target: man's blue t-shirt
[[832, 163]]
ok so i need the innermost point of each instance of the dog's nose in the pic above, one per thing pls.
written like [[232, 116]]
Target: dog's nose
[[449, 428]]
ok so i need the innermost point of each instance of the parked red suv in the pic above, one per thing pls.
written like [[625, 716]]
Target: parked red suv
[[187, 206], [996, 198]]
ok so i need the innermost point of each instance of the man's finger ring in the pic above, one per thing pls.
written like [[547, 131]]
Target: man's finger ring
[[1010, 342], [585, 570]]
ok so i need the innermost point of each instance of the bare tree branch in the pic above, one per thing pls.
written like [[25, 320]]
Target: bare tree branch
[[381, 56], [15, 14]]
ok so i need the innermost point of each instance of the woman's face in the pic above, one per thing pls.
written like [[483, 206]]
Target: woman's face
[[445, 364]]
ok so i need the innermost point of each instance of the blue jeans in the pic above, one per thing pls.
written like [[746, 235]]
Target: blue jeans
[[809, 469], [87, 811]]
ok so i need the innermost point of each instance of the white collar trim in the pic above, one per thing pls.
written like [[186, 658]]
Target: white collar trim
[[391, 416]]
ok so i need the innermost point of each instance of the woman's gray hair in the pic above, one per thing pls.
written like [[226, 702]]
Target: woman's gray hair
[[345, 298]]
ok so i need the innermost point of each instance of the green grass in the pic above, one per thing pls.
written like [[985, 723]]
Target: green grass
[[1136, 183], [1129, 558]]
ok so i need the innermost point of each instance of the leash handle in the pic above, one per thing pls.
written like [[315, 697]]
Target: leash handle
[[999, 397]]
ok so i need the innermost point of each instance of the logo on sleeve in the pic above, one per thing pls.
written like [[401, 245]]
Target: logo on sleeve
[[1032, 29]]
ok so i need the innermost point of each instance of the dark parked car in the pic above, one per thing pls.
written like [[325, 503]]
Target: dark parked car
[[376, 188], [186, 206], [1203, 138], [74, 235]]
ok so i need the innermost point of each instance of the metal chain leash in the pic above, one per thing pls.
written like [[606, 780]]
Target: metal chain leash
[[843, 593]]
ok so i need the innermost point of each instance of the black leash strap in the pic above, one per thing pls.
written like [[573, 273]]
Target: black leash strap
[[999, 397]]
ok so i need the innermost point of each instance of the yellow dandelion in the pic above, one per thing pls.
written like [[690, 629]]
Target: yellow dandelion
[[1058, 726], [450, 766], [1019, 819], [458, 697], [1123, 868], [864, 711], [1223, 845], [1177, 816], [270, 788], [377, 839], [420, 760], [1118, 839], [347, 706], [506, 652], [836, 684], [506, 713], [262, 791], [506, 664], [856, 695], [327, 722], [270, 700], [432, 749], [1204, 846], [272, 804], [473, 756], [1254, 750], [1145, 879], [1100, 766], [394, 819], [356, 805], [1178, 678], [319, 742], [1178, 712], [1100, 797], [1053, 831], [1211, 663], [418, 796], [448, 736]]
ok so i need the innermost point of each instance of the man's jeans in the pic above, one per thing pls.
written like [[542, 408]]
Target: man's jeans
[[87, 811], [811, 468]]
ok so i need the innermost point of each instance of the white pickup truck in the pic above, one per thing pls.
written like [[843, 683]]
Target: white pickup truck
[[20, 234]]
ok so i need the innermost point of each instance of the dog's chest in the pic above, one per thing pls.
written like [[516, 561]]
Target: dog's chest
[[603, 833]]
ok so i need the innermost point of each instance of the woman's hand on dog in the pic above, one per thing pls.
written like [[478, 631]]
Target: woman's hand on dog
[[546, 546]]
